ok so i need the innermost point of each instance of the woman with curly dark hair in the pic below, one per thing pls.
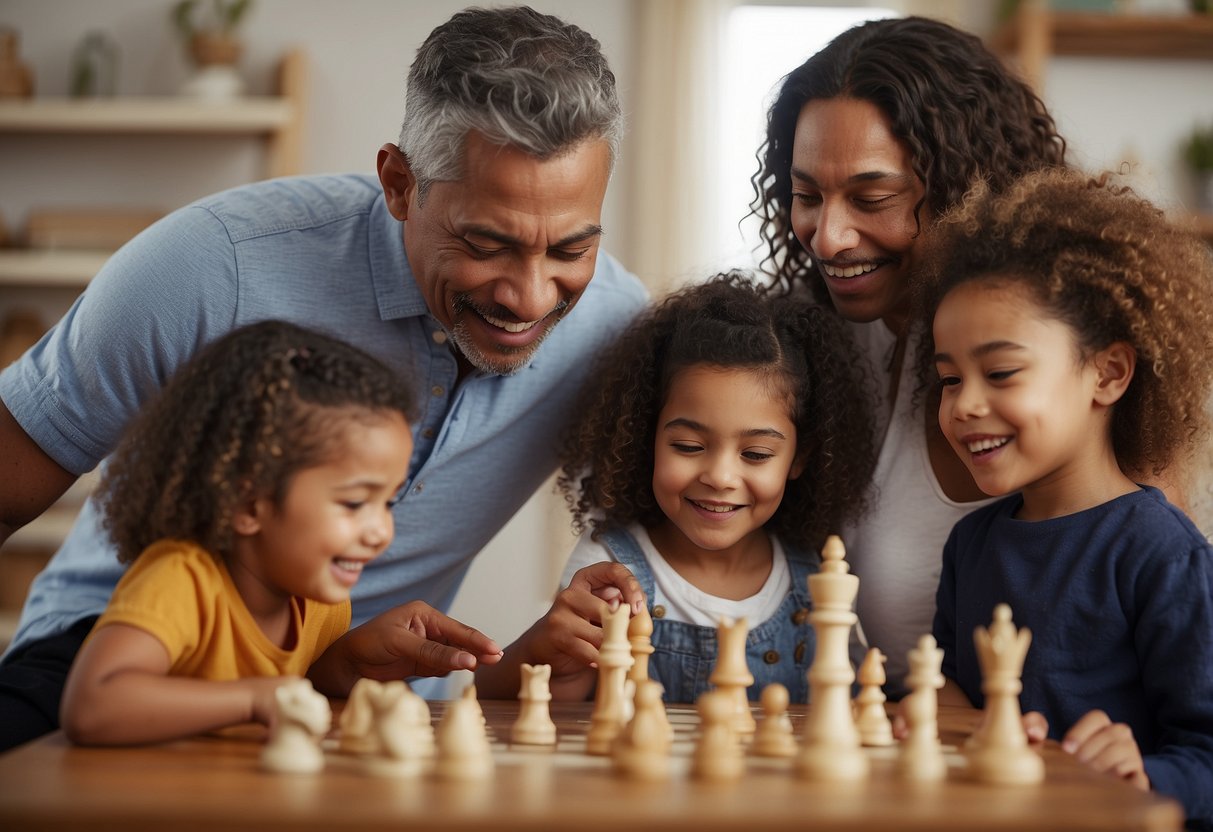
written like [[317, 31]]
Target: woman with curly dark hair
[[721, 441], [247, 498], [1073, 340], [867, 143]]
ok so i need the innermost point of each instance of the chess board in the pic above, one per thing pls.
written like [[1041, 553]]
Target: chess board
[[218, 783]]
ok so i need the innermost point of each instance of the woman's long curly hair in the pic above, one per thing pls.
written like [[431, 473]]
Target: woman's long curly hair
[[960, 112], [727, 322], [241, 418], [1109, 265]]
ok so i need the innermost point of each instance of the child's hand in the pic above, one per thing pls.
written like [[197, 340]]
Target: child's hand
[[413, 639], [1035, 726], [1107, 746], [568, 636], [262, 689]]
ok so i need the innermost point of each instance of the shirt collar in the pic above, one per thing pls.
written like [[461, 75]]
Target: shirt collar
[[395, 289]]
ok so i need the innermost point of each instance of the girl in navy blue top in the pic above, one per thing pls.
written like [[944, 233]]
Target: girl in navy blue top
[[720, 442], [1073, 341]]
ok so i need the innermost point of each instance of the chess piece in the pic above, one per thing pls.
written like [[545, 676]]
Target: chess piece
[[642, 749], [731, 674], [355, 722], [831, 750], [774, 735], [400, 728], [463, 750], [640, 632], [717, 754], [870, 717], [534, 724], [999, 752], [302, 718], [921, 757], [610, 712]]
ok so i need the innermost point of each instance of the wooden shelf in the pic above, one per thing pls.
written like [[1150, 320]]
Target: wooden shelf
[[245, 116], [1034, 34], [1117, 35], [67, 269]]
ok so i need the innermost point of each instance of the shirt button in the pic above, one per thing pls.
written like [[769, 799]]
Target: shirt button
[[800, 617], [799, 654], [658, 611], [437, 390], [439, 336], [428, 433], [771, 657]]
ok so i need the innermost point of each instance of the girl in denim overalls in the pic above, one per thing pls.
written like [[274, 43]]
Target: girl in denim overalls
[[721, 439]]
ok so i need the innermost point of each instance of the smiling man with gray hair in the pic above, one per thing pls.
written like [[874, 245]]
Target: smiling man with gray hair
[[471, 265]]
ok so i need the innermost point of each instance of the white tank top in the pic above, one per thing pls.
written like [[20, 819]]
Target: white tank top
[[896, 548]]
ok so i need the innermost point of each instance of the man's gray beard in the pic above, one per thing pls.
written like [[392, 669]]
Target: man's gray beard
[[516, 358]]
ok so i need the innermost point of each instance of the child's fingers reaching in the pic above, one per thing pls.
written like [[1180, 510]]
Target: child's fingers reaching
[[1035, 726], [606, 575], [1090, 724]]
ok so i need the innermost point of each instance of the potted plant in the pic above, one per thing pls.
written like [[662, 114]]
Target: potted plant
[[1198, 153], [209, 33]]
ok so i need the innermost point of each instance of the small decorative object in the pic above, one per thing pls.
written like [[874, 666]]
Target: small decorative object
[[1198, 153], [210, 38], [16, 79], [95, 66]]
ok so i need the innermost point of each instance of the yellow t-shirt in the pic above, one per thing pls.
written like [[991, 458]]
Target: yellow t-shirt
[[181, 594]]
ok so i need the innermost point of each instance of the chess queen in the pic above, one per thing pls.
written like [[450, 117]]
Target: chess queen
[[719, 445]]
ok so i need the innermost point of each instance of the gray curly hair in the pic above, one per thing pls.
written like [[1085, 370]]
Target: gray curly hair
[[517, 77]]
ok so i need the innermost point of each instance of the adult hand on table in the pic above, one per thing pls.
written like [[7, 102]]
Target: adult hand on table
[[413, 639]]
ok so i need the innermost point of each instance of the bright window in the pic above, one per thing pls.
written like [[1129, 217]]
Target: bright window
[[761, 44]]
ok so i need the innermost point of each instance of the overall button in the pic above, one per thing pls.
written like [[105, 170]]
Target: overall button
[[659, 611], [799, 654], [418, 488], [771, 657], [428, 433], [437, 390], [439, 336], [800, 617]]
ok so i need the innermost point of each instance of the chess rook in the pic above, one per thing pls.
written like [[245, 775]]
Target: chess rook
[[831, 749], [534, 724]]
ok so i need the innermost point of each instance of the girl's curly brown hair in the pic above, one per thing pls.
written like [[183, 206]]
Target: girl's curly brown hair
[[245, 414], [1108, 264], [728, 322], [960, 112]]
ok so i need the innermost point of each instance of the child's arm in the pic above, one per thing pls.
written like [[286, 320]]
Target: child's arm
[[413, 639], [119, 693], [1107, 746], [567, 637]]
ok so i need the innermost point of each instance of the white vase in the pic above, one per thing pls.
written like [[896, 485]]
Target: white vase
[[216, 82]]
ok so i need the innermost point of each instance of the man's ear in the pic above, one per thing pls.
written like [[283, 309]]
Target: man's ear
[[1115, 365], [397, 180]]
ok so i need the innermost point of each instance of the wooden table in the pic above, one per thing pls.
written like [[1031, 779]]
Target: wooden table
[[215, 783]]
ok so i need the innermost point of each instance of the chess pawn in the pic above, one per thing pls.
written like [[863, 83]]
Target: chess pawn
[[731, 674], [831, 751], [642, 749], [463, 750], [921, 756], [534, 725], [774, 735], [640, 637], [611, 708], [717, 754], [356, 736], [870, 717], [302, 718], [999, 752]]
